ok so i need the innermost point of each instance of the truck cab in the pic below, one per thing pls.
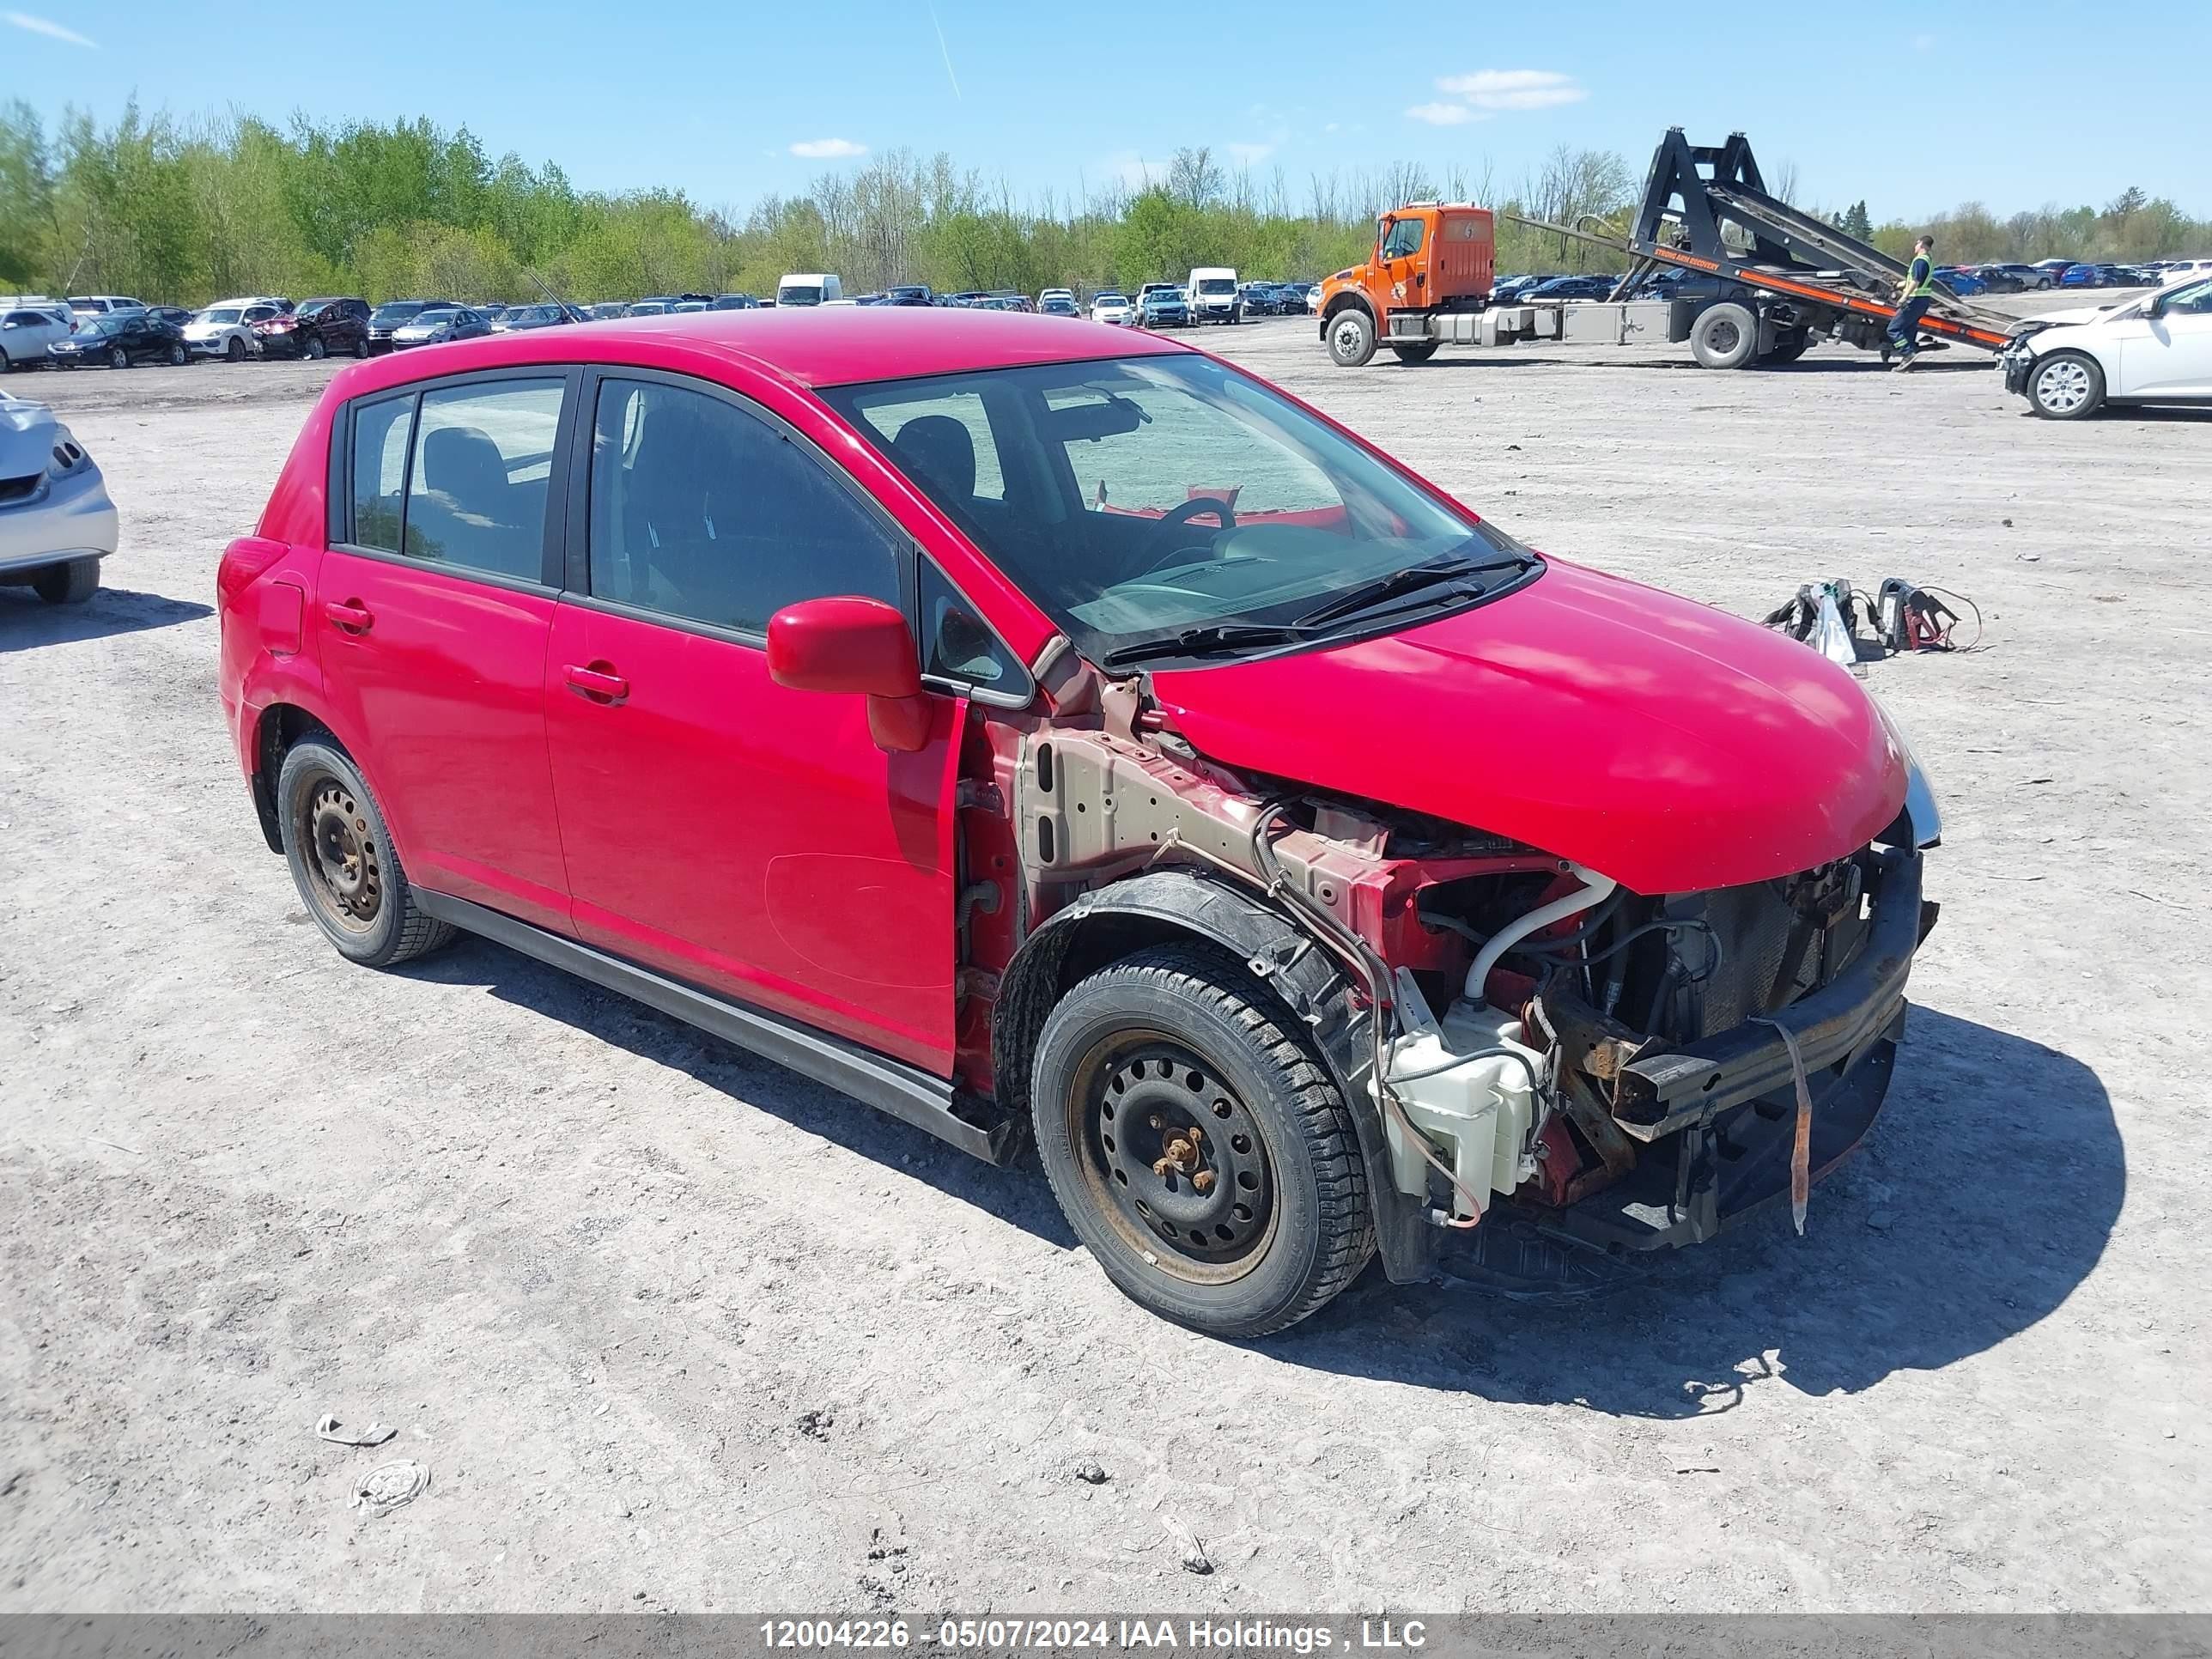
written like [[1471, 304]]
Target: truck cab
[[1429, 257]]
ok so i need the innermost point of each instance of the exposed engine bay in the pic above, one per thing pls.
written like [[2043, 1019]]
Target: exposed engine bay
[[1534, 1038]]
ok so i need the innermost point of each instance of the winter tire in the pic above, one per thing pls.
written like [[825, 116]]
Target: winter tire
[[342, 860], [1198, 1145]]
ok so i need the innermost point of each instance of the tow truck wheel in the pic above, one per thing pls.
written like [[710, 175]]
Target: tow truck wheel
[[1789, 347], [1415, 354], [1351, 338], [2066, 385], [1725, 335], [1198, 1145]]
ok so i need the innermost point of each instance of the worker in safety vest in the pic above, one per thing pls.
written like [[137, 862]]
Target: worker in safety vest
[[1915, 295]]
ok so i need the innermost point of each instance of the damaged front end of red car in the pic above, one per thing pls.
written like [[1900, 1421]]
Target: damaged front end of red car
[[1562, 1068]]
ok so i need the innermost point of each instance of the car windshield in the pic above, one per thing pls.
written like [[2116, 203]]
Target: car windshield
[[1146, 502], [798, 296], [1109, 300], [399, 311], [99, 325], [1216, 285], [435, 319], [222, 314]]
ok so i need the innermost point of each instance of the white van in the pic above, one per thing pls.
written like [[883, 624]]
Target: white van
[[801, 287], [1211, 292]]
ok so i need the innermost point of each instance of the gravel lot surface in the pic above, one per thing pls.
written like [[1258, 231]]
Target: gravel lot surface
[[671, 1329]]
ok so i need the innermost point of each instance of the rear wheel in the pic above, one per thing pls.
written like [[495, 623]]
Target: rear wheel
[[1415, 354], [1198, 1145], [2067, 385], [1790, 346], [177, 355], [68, 584], [344, 862], [1725, 335], [1351, 338], [361, 347]]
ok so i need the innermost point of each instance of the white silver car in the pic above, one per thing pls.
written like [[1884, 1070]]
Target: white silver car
[[1111, 308], [225, 329], [27, 327], [55, 521], [2154, 349]]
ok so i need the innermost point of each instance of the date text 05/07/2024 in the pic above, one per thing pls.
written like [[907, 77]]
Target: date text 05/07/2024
[[1111, 1635]]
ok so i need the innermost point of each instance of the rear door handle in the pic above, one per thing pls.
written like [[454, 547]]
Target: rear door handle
[[600, 684], [351, 615]]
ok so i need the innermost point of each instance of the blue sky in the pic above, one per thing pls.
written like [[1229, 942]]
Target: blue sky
[[1940, 103]]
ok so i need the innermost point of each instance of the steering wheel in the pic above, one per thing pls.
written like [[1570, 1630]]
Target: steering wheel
[[1176, 519]]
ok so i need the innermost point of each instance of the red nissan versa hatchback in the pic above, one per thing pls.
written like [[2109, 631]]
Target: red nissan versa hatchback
[[1037, 730]]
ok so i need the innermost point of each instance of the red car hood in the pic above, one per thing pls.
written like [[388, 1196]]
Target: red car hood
[[1666, 744]]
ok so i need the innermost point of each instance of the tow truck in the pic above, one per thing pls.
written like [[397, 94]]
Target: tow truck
[[1759, 281]]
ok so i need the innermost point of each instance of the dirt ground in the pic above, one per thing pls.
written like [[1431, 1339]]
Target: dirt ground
[[674, 1329]]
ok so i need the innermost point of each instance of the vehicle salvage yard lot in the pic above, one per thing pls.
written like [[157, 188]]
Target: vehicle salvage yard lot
[[674, 1329]]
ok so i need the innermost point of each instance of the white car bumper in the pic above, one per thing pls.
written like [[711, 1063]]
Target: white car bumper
[[66, 517]]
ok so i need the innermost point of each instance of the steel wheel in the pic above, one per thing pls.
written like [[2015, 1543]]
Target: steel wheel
[[1351, 338], [2062, 386], [1174, 1160], [349, 884]]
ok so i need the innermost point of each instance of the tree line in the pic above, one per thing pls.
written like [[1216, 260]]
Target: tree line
[[187, 211]]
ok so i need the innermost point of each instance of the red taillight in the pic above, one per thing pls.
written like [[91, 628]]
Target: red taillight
[[242, 561]]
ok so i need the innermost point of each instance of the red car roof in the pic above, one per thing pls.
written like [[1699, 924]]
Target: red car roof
[[815, 346]]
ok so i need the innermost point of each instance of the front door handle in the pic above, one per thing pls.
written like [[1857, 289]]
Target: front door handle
[[596, 683], [351, 615]]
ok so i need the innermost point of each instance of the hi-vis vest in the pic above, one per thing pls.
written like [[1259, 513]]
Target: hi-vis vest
[[1926, 267]]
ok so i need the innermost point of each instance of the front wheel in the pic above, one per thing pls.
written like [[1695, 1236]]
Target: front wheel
[[1351, 338], [2067, 385], [1197, 1145], [1725, 335], [118, 357], [68, 584], [342, 860], [236, 351], [313, 349]]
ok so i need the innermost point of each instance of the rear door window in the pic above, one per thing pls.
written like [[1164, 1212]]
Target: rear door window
[[704, 511], [380, 434], [479, 474]]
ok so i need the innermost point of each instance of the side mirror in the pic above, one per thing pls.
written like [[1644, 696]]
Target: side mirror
[[855, 646], [2157, 306]]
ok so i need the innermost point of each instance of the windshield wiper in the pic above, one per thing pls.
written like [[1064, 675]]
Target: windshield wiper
[[1205, 639], [1436, 573]]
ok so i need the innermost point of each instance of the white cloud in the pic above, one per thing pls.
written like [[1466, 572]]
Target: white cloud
[[1446, 115], [1509, 89], [1250, 155], [47, 26], [827, 150]]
